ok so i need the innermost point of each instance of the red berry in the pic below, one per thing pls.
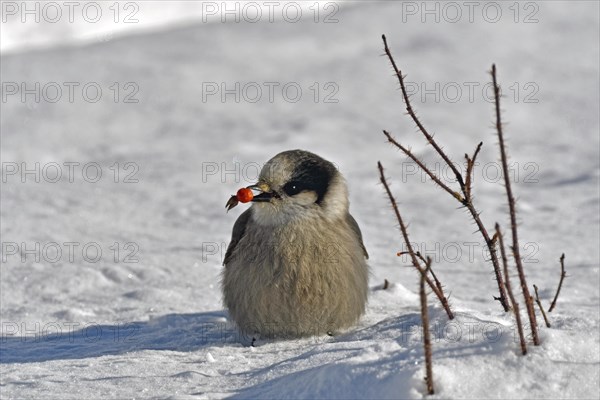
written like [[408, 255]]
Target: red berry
[[245, 195]]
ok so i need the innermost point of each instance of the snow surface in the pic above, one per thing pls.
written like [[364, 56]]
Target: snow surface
[[156, 328]]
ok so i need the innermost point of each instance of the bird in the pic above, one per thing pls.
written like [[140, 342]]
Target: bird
[[296, 265]]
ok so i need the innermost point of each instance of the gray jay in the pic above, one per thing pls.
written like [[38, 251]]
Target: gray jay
[[296, 264]]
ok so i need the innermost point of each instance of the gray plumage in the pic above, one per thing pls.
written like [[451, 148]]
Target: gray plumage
[[296, 263]]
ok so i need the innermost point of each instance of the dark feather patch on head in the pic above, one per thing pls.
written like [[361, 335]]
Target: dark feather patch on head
[[314, 174]]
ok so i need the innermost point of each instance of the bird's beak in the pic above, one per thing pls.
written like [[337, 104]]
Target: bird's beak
[[266, 193]]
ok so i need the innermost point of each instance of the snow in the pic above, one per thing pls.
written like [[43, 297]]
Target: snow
[[76, 327]]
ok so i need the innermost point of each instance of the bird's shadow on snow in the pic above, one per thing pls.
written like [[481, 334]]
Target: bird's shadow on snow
[[64, 341]]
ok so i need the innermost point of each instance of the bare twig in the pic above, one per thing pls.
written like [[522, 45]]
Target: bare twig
[[470, 166], [426, 333], [438, 284], [513, 216], [513, 302], [539, 303], [413, 255], [563, 275], [422, 166], [465, 199], [417, 253], [412, 114]]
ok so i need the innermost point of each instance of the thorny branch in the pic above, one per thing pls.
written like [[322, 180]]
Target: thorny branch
[[465, 199], [513, 214], [412, 114], [470, 165], [438, 284], [427, 261], [426, 333], [413, 255], [563, 275], [422, 166], [513, 302], [539, 303]]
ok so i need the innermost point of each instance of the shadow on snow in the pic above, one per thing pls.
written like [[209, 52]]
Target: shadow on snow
[[25, 343]]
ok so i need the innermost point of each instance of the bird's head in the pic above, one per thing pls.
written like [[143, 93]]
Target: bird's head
[[299, 184]]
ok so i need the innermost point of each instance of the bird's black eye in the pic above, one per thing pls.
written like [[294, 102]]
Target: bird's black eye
[[293, 188]]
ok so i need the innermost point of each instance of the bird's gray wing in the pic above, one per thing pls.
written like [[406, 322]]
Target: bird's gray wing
[[354, 226], [239, 228]]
